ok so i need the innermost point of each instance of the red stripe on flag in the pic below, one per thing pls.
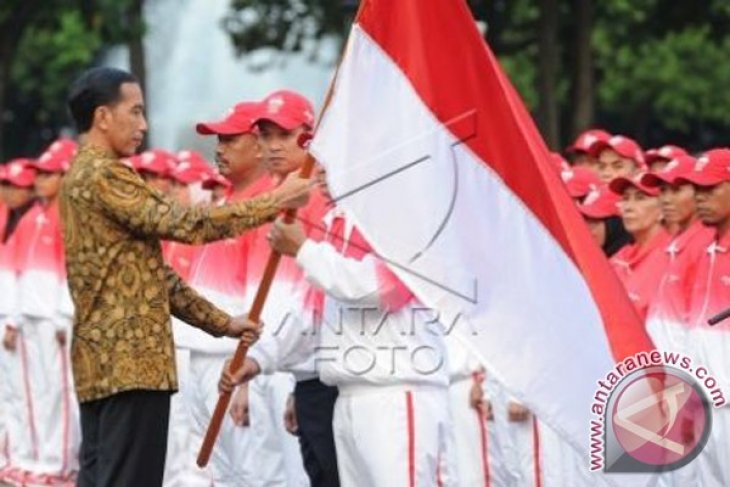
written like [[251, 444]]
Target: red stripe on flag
[[421, 37]]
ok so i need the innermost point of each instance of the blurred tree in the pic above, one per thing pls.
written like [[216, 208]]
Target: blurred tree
[[45, 45], [649, 68]]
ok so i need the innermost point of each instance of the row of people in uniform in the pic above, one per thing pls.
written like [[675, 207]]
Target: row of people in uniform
[[661, 217], [358, 421]]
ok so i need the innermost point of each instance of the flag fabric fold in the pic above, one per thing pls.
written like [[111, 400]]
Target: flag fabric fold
[[431, 150]]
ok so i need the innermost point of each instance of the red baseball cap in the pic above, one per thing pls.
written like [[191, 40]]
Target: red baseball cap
[[600, 203], [156, 161], [240, 119], [587, 139], [620, 184], [580, 181], [19, 172], [216, 179], [665, 152], [674, 169], [191, 167], [58, 156], [623, 146], [287, 109], [711, 169]]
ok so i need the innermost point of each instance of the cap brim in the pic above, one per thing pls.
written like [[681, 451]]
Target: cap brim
[[20, 183], [45, 168], [597, 147], [619, 185], [220, 128], [595, 213], [287, 123], [575, 149], [655, 180], [699, 179]]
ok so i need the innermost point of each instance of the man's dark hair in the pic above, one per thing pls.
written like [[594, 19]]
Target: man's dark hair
[[94, 88]]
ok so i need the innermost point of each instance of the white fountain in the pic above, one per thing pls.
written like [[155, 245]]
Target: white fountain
[[193, 73]]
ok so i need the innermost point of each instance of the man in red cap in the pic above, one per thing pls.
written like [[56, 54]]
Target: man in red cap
[[124, 293], [218, 186], [285, 116], [600, 212], [711, 295], [17, 180], [219, 273], [618, 156], [155, 166], [188, 176], [45, 319], [641, 264], [657, 158], [579, 181], [667, 319], [582, 149]]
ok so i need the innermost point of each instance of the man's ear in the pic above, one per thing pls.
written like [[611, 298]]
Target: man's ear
[[102, 118]]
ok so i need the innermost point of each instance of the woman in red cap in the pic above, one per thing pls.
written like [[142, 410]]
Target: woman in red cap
[[640, 265], [600, 211]]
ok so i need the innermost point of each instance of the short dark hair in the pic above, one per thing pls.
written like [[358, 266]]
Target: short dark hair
[[94, 88]]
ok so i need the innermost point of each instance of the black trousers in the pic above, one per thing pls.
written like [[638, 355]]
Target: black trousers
[[314, 405], [124, 440]]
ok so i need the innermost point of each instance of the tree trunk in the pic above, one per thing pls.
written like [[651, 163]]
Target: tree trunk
[[583, 100], [136, 50], [5, 63], [548, 115], [11, 32]]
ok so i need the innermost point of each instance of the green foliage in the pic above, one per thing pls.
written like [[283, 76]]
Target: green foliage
[[681, 77], [49, 57], [289, 25]]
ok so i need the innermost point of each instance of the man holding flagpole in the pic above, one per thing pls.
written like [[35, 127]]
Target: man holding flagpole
[[123, 293]]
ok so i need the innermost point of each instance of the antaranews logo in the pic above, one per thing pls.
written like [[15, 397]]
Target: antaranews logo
[[652, 413]]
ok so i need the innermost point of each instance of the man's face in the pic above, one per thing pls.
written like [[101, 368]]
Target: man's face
[[124, 122], [237, 155], [611, 165], [15, 196], [639, 211], [180, 192], [160, 183], [281, 150], [47, 184], [713, 203], [678, 203], [598, 230], [658, 164], [219, 192], [583, 159]]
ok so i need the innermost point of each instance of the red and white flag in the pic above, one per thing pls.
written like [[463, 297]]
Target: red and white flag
[[431, 150]]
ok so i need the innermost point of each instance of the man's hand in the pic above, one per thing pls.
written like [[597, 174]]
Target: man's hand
[[293, 192], [517, 413], [245, 329], [10, 339], [286, 238], [290, 417], [239, 407], [229, 380]]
